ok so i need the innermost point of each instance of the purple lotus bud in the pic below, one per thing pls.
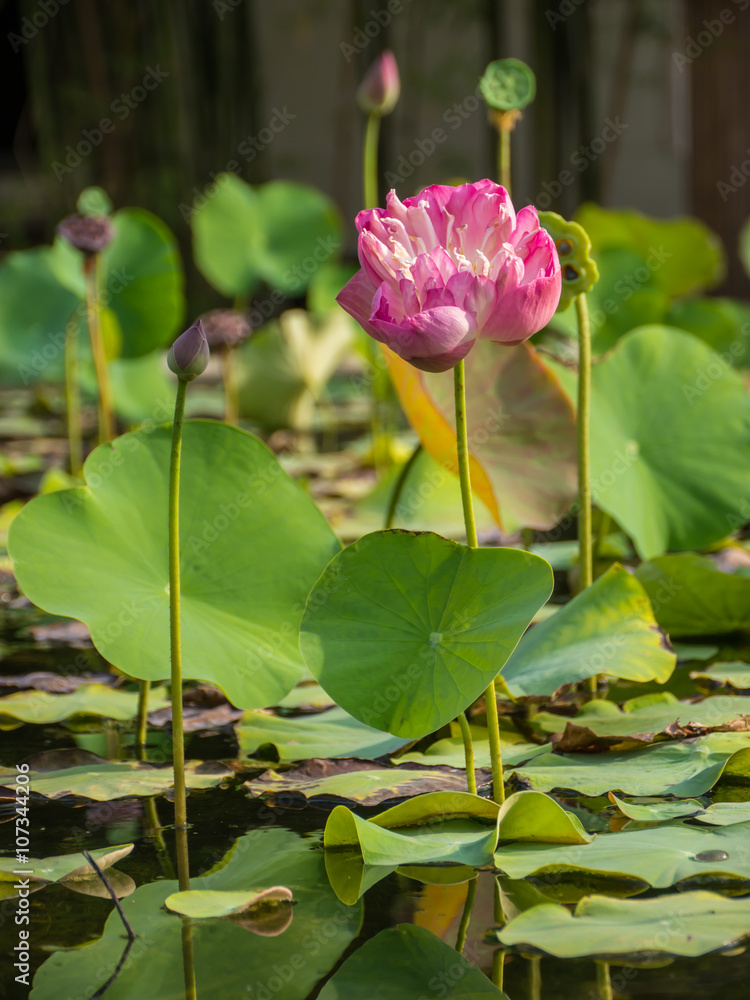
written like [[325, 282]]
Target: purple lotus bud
[[89, 233], [189, 354], [380, 89]]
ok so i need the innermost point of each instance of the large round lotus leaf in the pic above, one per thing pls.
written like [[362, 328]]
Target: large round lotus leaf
[[406, 963], [670, 436], [609, 628], [624, 297], [34, 310], [691, 596], [521, 430], [405, 630], [692, 923], [244, 235], [684, 255], [141, 271], [229, 961], [723, 324], [252, 544]]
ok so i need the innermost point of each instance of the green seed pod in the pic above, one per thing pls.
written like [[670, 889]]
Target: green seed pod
[[578, 267]]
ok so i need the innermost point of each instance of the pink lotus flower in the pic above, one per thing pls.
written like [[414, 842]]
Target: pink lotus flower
[[448, 266]]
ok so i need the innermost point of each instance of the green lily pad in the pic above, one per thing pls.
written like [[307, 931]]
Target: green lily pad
[[609, 628], [604, 718], [734, 674], [333, 733], [450, 752], [532, 817], [252, 544], [720, 323], [225, 960], [661, 856], [682, 769], [405, 834], [428, 623], [63, 867], [404, 963], [668, 451], [692, 924], [244, 235], [118, 779], [201, 904], [717, 814], [43, 708], [691, 596], [683, 255], [325, 783]]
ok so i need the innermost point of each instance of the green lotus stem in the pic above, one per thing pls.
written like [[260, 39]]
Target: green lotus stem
[[370, 161], [73, 398], [231, 393], [188, 961], [585, 543], [155, 830], [503, 157], [605, 523], [106, 411], [535, 979], [603, 982], [464, 475], [463, 927], [498, 959], [398, 488], [471, 774], [498, 968], [178, 744], [141, 729]]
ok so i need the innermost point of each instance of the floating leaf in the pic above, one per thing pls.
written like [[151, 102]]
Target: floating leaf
[[609, 628], [683, 769], [405, 834], [225, 961], [683, 255], [406, 630], [117, 779], [532, 817], [731, 674], [65, 866], [521, 430], [691, 923], [42, 708], [326, 783], [243, 235], [333, 733], [252, 544], [450, 752], [668, 454], [406, 962], [661, 856], [691, 596], [200, 904], [604, 718]]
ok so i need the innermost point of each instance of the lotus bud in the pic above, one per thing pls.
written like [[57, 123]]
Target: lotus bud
[[88, 233], [380, 89], [189, 354]]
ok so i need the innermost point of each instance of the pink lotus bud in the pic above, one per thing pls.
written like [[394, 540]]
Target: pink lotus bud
[[189, 354], [380, 89], [452, 264]]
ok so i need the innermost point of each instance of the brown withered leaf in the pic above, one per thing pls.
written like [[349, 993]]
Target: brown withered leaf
[[196, 718], [580, 739], [44, 680]]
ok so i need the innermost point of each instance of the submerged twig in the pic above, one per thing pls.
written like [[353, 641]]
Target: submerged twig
[[108, 886]]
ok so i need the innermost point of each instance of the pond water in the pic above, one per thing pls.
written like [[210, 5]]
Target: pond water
[[323, 930]]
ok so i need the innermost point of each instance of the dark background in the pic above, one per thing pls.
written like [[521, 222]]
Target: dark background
[[680, 86]]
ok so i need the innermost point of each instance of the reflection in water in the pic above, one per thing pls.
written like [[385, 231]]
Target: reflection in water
[[188, 960], [463, 927], [535, 979], [603, 982]]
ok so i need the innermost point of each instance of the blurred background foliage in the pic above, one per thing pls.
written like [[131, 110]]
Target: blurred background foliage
[[195, 87]]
